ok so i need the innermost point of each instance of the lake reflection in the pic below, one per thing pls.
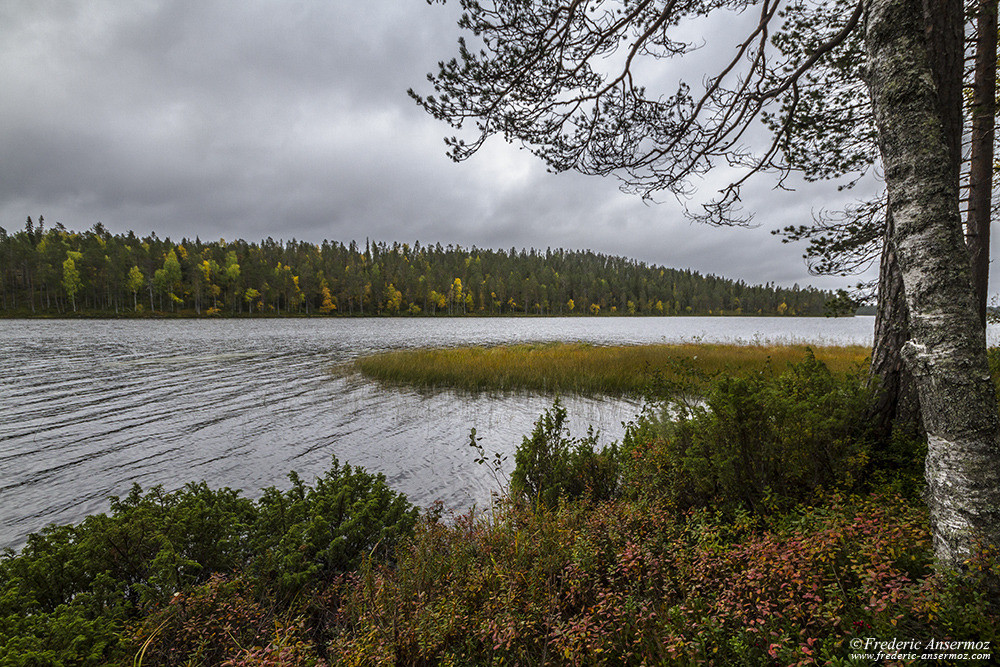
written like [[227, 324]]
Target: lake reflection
[[89, 407]]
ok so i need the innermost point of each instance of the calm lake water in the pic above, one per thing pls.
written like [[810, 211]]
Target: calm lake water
[[89, 407]]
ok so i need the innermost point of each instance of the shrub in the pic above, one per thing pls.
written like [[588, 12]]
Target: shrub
[[203, 626], [307, 534], [630, 583], [68, 596], [66, 635], [551, 464], [65, 596], [755, 439]]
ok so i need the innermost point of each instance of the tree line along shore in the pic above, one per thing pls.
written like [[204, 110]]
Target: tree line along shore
[[58, 272]]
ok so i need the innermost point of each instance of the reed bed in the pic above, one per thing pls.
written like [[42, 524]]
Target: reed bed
[[589, 369]]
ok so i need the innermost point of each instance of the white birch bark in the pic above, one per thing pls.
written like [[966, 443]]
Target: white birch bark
[[947, 346]]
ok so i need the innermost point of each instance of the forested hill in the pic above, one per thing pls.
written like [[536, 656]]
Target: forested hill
[[55, 271]]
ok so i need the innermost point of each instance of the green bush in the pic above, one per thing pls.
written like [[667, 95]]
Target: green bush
[[307, 534], [65, 597], [754, 440], [551, 464], [70, 594]]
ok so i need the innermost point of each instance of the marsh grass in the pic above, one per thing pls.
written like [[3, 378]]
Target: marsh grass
[[589, 369]]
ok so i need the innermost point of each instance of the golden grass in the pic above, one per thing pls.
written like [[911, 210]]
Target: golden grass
[[585, 369]]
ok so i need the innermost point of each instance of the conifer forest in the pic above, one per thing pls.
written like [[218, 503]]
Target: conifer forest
[[55, 271]]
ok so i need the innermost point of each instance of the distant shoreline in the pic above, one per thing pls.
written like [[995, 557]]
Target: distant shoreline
[[401, 316]]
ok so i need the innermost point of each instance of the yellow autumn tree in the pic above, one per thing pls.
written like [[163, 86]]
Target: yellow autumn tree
[[455, 294], [394, 299], [328, 304]]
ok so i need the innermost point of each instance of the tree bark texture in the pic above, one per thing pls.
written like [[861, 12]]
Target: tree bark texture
[[947, 347], [977, 225], [944, 23], [896, 401]]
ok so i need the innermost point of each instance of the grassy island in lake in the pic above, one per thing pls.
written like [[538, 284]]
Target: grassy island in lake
[[587, 369]]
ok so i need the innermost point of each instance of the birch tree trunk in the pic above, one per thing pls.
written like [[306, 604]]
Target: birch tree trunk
[[896, 402], [898, 405], [946, 351]]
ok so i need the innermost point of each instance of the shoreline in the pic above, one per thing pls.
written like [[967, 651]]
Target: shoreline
[[316, 316]]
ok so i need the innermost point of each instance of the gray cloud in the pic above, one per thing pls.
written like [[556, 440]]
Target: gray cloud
[[225, 119]]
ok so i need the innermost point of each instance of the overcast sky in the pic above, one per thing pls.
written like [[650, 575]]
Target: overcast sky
[[291, 119]]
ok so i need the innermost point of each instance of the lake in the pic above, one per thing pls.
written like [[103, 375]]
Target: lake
[[88, 407]]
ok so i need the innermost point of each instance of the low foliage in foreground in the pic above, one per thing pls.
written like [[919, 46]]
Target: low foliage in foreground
[[588, 369], [629, 583], [73, 591]]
